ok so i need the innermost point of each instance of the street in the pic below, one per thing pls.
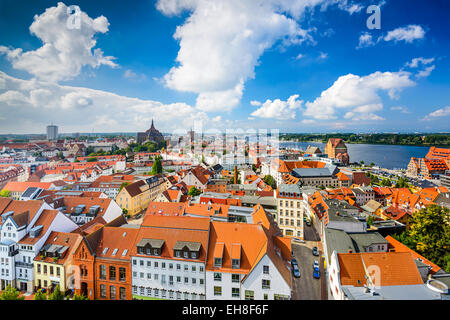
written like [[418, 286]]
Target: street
[[307, 287]]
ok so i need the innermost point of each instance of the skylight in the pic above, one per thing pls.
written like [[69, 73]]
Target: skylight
[[114, 252], [125, 252], [105, 250]]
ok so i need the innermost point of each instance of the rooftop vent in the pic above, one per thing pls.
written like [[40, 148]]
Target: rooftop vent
[[80, 208]]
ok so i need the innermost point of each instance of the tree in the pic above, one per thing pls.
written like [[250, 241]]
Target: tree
[[386, 182], [429, 235], [157, 166], [5, 193], [56, 294], [369, 221], [270, 181], [79, 297], [193, 191], [402, 183], [10, 293], [92, 159], [40, 295]]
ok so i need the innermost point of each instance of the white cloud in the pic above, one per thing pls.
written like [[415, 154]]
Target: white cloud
[[425, 72], [64, 51], [407, 34], [278, 109], [360, 94], [255, 103], [400, 108], [322, 56], [440, 113], [417, 61], [365, 40], [28, 105], [308, 121], [129, 74], [221, 42], [299, 56]]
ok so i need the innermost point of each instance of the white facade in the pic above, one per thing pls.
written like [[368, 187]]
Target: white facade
[[168, 278], [264, 282]]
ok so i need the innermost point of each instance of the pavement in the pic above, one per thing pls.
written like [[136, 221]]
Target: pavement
[[307, 287]]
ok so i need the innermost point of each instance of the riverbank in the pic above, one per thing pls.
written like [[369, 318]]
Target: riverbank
[[374, 143]]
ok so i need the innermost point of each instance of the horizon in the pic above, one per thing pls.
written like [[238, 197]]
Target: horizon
[[293, 66]]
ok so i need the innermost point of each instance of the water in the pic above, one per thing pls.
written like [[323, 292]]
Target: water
[[385, 156]]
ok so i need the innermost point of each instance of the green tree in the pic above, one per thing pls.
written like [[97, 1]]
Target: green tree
[[10, 293], [402, 183], [369, 221], [429, 235], [386, 182], [157, 166], [93, 159], [40, 295], [270, 181], [193, 191], [5, 193], [79, 297], [56, 294], [124, 211]]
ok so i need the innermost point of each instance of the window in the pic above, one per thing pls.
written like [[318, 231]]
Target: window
[[58, 272], [103, 272], [156, 264], [217, 291], [177, 254], [163, 265], [217, 276], [122, 274], [149, 264], [171, 280], [235, 277], [122, 293], [149, 276], [186, 280], [266, 296], [249, 295], [235, 263], [149, 291], [193, 269], [163, 279], [134, 262], [134, 274], [156, 292], [170, 266], [235, 292], [266, 269], [112, 273], [156, 276], [141, 274], [217, 262], [45, 270], [102, 291], [194, 255], [141, 291], [178, 266], [265, 284], [186, 267], [38, 267], [202, 281], [194, 281], [141, 262], [186, 254], [201, 268], [112, 293]]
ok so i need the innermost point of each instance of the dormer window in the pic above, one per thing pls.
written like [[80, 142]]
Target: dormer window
[[217, 262], [194, 255], [186, 254], [235, 263], [155, 252], [177, 254]]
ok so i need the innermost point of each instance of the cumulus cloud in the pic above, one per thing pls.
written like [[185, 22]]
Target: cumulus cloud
[[440, 113], [365, 40], [407, 34], [359, 94], [65, 51], [278, 109], [222, 40], [29, 105]]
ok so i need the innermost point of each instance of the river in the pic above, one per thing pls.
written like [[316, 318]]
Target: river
[[385, 156]]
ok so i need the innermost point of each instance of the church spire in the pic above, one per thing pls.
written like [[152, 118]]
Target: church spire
[[152, 126]]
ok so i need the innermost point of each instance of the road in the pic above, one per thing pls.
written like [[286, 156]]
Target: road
[[307, 287]]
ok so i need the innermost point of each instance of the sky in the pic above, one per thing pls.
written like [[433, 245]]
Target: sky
[[307, 66]]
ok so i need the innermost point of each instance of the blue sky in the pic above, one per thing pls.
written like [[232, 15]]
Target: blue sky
[[262, 64]]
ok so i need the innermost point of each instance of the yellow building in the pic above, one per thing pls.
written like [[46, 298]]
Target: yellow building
[[53, 264], [135, 197]]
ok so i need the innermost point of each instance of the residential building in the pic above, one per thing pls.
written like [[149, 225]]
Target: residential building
[[290, 210], [169, 258], [336, 149]]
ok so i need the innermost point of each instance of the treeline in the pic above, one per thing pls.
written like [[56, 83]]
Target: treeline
[[436, 139]]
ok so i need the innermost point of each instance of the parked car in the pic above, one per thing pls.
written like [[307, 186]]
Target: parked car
[[294, 262], [316, 273], [305, 219], [296, 271], [298, 240], [308, 223], [316, 264], [315, 251]]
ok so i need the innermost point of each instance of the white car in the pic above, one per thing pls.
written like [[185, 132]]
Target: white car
[[316, 264]]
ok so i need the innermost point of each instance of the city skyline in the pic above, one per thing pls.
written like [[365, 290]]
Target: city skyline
[[292, 66]]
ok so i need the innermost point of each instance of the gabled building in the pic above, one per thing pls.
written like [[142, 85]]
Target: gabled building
[[241, 267], [169, 258]]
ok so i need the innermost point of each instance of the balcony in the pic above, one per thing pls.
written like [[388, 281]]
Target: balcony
[[13, 253], [24, 264]]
